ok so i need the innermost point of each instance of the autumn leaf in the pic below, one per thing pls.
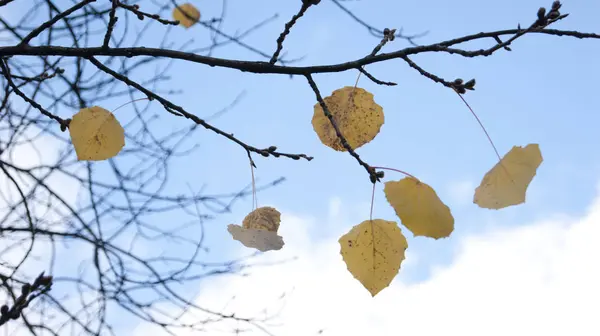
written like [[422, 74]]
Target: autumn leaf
[[96, 134], [373, 251], [259, 239], [356, 114], [191, 16], [507, 182], [259, 230], [267, 218], [419, 208]]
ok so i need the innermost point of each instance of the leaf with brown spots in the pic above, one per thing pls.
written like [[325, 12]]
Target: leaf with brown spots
[[373, 251], [356, 114], [266, 218]]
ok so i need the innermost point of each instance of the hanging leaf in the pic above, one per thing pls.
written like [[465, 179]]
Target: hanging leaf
[[96, 134], [259, 230], [266, 218], [419, 208], [356, 114], [259, 239], [373, 251], [191, 16], [507, 182]]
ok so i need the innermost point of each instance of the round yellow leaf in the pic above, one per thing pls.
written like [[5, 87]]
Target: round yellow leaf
[[191, 16], [419, 208], [259, 239], [507, 182], [373, 251], [96, 134], [356, 114], [266, 218]]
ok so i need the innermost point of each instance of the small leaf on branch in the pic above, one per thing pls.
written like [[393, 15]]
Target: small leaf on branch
[[356, 114], [96, 134], [186, 14]]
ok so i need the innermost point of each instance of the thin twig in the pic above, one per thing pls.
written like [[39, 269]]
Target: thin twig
[[339, 134], [179, 111], [288, 27]]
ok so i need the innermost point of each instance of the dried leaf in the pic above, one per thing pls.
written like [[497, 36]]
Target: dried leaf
[[266, 218], [419, 208], [507, 182], [356, 114], [259, 239], [259, 230], [373, 251], [96, 134]]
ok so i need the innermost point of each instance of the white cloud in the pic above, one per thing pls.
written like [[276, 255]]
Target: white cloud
[[536, 279]]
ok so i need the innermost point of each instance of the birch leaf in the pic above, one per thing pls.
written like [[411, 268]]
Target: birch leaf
[[96, 134], [373, 251], [507, 182]]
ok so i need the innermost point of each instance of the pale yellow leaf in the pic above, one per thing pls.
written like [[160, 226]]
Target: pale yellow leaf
[[186, 14], [96, 134], [259, 239], [507, 182], [266, 218], [356, 114], [373, 251], [419, 208]]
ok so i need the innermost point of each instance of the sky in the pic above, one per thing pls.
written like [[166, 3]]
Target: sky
[[527, 269]]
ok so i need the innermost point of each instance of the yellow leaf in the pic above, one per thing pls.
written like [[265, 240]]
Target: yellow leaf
[[266, 218], [373, 251], [259, 239], [259, 230], [419, 208], [506, 183], [96, 134], [356, 114], [191, 16]]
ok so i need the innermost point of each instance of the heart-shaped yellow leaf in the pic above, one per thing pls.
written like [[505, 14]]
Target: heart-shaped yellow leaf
[[507, 182], [419, 208], [96, 134], [373, 251]]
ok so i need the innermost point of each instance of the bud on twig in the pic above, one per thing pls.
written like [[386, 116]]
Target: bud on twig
[[470, 84], [541, 13], [556, 5], [553, 15]]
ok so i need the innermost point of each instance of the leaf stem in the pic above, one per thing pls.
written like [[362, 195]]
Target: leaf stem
[[396, 170], [480, 124], [113, 111], [372, 202]]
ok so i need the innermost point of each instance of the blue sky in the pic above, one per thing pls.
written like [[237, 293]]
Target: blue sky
[[539, 93], [545, 91]]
